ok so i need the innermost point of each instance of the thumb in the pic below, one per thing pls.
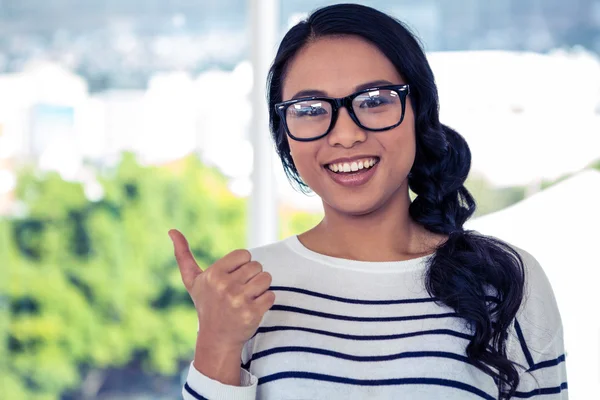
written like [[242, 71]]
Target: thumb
[[185, 260]]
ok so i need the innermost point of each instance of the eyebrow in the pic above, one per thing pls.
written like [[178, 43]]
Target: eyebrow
[[362, 86]]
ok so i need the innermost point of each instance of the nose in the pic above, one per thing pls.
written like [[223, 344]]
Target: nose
[[345, 132]]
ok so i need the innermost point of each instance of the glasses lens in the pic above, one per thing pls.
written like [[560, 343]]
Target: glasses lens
[[378, 109], [308, 119]]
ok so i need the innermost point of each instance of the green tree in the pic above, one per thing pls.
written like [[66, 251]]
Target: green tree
[[489, 198], [94, 285], [294, 222]]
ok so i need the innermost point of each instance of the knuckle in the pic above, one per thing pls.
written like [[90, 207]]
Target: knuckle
[[221, 287], [211, 278], [236, 302], [247, 317]]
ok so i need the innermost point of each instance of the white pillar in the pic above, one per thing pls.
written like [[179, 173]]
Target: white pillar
[[262, 219]]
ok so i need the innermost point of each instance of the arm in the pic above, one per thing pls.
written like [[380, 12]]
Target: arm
[[536, 339], [216, 374], [222, 365], [546, 377], [231, 298]]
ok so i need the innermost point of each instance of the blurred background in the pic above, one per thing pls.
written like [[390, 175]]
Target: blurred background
[[121, 119]]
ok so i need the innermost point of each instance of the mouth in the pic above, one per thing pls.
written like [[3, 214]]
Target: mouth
[[348, 168], [353, 174]]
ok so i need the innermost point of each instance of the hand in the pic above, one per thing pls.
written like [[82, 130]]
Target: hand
[[231, 296]]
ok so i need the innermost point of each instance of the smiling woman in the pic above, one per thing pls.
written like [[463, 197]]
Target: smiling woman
[[384, 298]]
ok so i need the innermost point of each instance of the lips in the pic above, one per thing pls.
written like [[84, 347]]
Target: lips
[[354, 178]]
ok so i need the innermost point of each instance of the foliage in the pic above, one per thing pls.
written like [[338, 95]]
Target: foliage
[[94, 285], [595, 165], [293, 222], [489, 198]]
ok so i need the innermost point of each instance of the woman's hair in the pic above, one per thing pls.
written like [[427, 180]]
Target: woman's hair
[[480, 277]]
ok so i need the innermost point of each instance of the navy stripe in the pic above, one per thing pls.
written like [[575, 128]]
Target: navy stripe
[[351, 301], [267, 329], [408, 354], [546, 364], [523, 344], [375, 382], [360, 301], [194, 394], [363, 319], [542, 391]]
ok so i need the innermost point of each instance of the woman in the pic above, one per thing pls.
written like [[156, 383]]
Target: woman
[[384, 298]]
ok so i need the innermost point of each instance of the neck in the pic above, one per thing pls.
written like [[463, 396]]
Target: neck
[[386, 234]]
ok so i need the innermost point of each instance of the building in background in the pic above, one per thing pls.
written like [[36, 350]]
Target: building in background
[[121, 44]]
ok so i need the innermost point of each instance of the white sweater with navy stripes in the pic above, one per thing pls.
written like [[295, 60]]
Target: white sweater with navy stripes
[[344, 329]]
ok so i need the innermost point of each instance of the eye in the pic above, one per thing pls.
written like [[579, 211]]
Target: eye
[[307, 110], [372, 102]]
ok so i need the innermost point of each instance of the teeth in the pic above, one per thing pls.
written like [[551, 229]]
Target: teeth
[[352, 167]]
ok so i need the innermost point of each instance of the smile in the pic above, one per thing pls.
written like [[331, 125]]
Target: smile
[[342, 168], [353, 174]]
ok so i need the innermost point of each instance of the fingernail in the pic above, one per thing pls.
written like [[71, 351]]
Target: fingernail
[[171, 235]]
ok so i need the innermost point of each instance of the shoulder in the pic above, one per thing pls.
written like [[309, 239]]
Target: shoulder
[[276, 251], [537, 327], [539, 302], [536, 331], [538, 296]]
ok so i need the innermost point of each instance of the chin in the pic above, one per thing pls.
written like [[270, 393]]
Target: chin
[[368, 202], [353, 207]]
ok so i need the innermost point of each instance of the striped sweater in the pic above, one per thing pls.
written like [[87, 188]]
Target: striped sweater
[[345, 329]]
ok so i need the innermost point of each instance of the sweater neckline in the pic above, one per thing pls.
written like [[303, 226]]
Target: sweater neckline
[[366, 266]]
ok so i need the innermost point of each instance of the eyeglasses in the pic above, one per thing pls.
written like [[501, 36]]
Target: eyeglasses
[[375, 109]]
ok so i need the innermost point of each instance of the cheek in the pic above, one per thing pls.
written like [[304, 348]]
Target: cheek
[[304, 157], [400, 149], [402, 138]]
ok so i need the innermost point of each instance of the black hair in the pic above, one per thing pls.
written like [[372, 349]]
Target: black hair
[[480, 277]]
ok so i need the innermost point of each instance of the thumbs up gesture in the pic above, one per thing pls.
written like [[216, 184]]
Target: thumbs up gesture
[[231, 296]]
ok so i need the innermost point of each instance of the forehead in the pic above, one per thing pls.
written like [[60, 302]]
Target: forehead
[[336, 65]]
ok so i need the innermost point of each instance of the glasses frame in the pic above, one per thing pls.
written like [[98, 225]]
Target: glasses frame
[[337, 103]]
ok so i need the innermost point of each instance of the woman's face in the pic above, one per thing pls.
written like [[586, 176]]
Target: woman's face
[[336, 67]]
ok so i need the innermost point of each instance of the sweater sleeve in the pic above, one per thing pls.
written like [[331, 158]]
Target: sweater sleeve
[[201, 387], [536, 340], [547, 378]]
